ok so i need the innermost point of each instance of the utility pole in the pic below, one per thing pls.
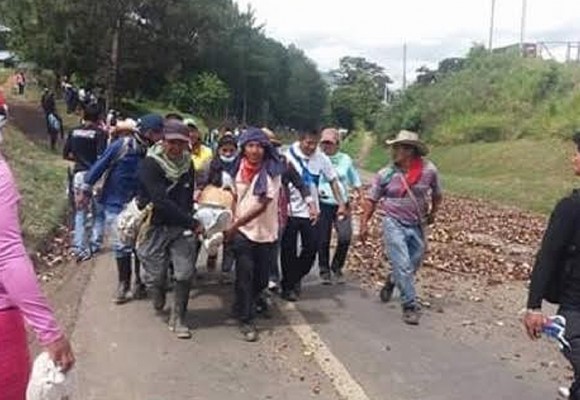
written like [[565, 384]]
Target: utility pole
[[404, 66], [492, 21], [523, 26]]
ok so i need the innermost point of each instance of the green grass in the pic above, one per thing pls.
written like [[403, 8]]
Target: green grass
[[353, 143], [41, 177], [528, 174]]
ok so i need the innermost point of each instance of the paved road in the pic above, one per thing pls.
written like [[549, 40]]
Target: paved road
[[125, 352]]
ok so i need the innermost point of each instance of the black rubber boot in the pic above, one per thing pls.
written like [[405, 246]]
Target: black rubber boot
[[139, 292], [177, 321], [123, 294]]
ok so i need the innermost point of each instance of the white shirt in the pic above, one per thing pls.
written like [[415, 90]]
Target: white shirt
[[318, 164]]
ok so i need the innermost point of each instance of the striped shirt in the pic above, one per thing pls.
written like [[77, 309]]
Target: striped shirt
[[388, 189]]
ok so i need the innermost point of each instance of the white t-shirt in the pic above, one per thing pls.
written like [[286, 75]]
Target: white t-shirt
[[318, 164]]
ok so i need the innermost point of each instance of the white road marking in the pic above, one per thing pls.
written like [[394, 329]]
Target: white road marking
[[346, 386]]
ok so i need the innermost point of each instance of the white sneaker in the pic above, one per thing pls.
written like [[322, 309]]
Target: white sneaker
[[272, 285], [564, 392]]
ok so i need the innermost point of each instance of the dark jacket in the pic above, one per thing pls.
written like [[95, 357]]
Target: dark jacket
[[172, 202], [556, 273], [84, 145]]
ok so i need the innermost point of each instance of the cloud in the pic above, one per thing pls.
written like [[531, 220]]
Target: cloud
[[433, 30]]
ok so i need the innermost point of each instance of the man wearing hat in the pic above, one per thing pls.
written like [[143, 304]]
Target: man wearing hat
[[166, 179], [401, 190]]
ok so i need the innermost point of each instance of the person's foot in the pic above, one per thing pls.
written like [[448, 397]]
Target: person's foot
[[158, 296], [289, 295], [411, 315], [83, 256], [182, 331], [339, 278], [263, 307], [325, 278], [249, 332], [123, 294], [387, 290], [211, 263], [139, 292], [564, 392], [272, 286], [226, 278]]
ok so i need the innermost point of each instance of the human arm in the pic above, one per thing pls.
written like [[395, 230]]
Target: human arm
[[292, 176], [103, 163], [436, 197], [375, 193], [559, 233], [332, 177], [67, 149]]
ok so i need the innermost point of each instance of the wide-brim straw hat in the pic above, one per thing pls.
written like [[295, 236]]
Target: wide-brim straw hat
[[272, 137], [125, 125], [411, 139]]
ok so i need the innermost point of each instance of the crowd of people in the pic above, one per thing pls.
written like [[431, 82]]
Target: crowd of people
[[271, 210]]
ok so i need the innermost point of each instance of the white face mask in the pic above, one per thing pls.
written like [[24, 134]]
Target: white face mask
[[228, 159]]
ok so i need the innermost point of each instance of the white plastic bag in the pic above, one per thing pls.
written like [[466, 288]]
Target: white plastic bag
[[47, 382]]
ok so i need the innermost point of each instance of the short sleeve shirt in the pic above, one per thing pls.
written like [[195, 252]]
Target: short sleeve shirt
[[388, 189], [264, 228]]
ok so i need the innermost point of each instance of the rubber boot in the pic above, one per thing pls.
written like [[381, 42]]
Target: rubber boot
[[124, 270], [139, 291], [177, 321]]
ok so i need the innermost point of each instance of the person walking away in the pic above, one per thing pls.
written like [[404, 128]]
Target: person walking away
[[22, 300], [83, 146], [310, 163], [53, 121], [20, 82], [3, 115], [348, 178], [116, 170], [556, 275], [167, 181], [254, 232], [219, 175], [289, 176], [402, 189]]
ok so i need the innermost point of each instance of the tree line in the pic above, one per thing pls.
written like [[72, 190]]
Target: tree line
[[206, 56]]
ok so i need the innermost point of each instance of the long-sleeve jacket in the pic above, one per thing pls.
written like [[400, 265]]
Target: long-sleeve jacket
[[556, 272], [172, 201], [18, 285]]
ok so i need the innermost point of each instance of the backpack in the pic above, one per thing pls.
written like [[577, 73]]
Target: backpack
[[53, 123]]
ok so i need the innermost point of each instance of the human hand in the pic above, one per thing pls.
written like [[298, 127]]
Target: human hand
[[534, 322], [313, 212], [60, 352], [342, 211]]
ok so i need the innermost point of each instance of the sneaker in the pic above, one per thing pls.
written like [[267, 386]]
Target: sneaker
[[83, 256], [272, 286], [289, 295], [181, 329], [123, 294], [564, 392], [387, 290], [339, 278], [263, 307], [325, 278], [411, 315], [249, 332]]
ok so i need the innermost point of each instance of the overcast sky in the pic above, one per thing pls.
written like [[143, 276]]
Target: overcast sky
[[433, 29]]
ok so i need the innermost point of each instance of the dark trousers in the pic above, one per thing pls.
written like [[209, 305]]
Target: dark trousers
[[296, 265], [328, 220], [228, 257], [252, 268], [573, 354]]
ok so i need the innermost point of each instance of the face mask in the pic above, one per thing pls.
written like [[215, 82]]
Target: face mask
[[227, 159]]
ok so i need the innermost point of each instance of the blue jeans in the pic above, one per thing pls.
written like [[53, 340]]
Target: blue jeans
[[80, 228], [405, 247], [120, 250]]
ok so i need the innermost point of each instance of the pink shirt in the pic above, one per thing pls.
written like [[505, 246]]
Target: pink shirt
[[18, 285], [264, 228]]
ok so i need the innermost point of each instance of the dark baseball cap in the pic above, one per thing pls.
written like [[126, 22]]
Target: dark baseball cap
[[175, 130]]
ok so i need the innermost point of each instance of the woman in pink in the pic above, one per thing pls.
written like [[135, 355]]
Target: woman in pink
[[21, 300]]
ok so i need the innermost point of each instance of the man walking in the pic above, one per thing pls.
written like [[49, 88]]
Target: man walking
[[166, 179], [83, 146], [310, 163]]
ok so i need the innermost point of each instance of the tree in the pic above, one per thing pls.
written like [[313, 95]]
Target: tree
[[210, 96]]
